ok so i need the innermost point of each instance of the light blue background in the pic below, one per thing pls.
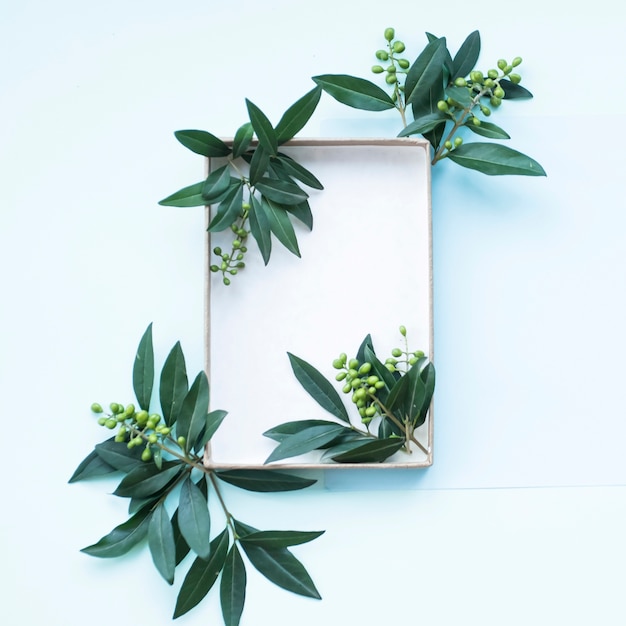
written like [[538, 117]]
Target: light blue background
[[520, 519]]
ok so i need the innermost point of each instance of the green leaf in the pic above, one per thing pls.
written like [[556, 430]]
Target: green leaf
[[426, 72], [297, 115], [416, 393], [344, 445], [123, 537], [262, 127], [283, 431], [299, 172], [396, 400], [117, 454], [264, 481], [233, 587], [143, 370], [462, 95], [202, 576], [302, 212], [202, 142], [375, 451], [228, 211], [193, 411], [466, 58], [273, 539], [173, 385], [382, 372], [146, 480], [304, 441], [258, 164], [320, 389], [487, 129], [280, 225], [423, 124], [366, 343], [260, 229], [91, 466], [281, 191], [427, 374], [355, 92], [180, 545], [282, 568], [216, 185], [186, 197], [161, 543], [242, 139], [194, 521], [495, 160], [513, 91], [212, 423]]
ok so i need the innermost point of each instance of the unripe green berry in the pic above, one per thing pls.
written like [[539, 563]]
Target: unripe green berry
[[137, 441], [361, 403], [486, 111], [341, 376], [448, 145], [372, 390], [372, 380], [398, 47], [156, 418], [475, 121], [365, 368], [181, 441], [215, 268], [102, 421], [377, 69], [382, 55], [241, 265], [236, 244], [111, 423], [141, 417], [502, 63], [232, 272], [344, 357], [223, 266], [492, 74], [404, 64], [390, 366], [353, 364], [495, 102], [498, 92], [476, 76], [460, 82], [153, 438], [458, 141], [244, 249], [226, 281], [390, 33], [96, 408], [217, 251], [380, 384], [396, 352], [402, 330], [356, 383], [508, 69], [337, 364], [352, 373], [165, 430], [413, 360], [391, 79], [115, 407], [370, 411], [489, 83], [246, 206], [442, 105], [516, 61], [347, 388], [419, 354], [362, 412], [146, 455], [360, 393], [391, 69], [515, 78]]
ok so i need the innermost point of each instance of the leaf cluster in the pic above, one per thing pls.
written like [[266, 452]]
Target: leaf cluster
[[443, 94], [392, 404], [173, 478], [258, 190]]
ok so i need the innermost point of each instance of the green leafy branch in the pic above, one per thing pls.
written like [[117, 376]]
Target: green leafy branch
[[444, 94], [392, 400], [257, 191], [161, 457]]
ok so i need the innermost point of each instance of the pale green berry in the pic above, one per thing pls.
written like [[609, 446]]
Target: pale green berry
[[475, 121], [458, 141], [353, 364], [365, 368], [146, 455], [391, 69], [377, 69], [492, 74], [516, 61], [96, 408], [404, 63], [382, 55], [398, 47], [498, 92], [502, 63], [337, 364], [442, 105], [396, 352], [181, 441], [390, 33], [402, 330], [347, 388], [341, 376], [460, 82], [515, 78], [370, 411], [391, 79], [448, 145], [372, 380]]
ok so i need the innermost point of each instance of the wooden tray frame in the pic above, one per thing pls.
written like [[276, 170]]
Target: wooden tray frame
[[416, 143]]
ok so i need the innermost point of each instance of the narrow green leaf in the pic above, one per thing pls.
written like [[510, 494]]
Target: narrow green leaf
[[382, 372], [428, 377], [495, 160], [174, 384], [302, 212], [466, 58], [396, 400], [186, 197], [344, 445], [264, 481], [242, 139], [262, 127], [375, 451], [299, 172], [487, 129], [143, 370], [273, 539], [260, 229], [233, 587], [91, 466], [117, 454], [216, 185], [212, 423], [320, 389], [202, 576], [423, 124], [258, 164], [426, 71], [194, 521], [281, 191], [192, 415], [416, 392], [282, 568], [304, 441], [180, 545], [228, 211], [297, 115], [202, 142], [123, 537], [513, 91], [161, 543], [146, 480], [366, 343], [283, 431], [355, 92], [280, 225]]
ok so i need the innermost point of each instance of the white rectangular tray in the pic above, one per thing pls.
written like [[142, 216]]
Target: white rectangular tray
[[366, 267]]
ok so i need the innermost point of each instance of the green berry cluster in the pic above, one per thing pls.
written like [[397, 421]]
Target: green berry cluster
[[396, 65], [361, 383], [401, 360], [136, 428], [231, 262]]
